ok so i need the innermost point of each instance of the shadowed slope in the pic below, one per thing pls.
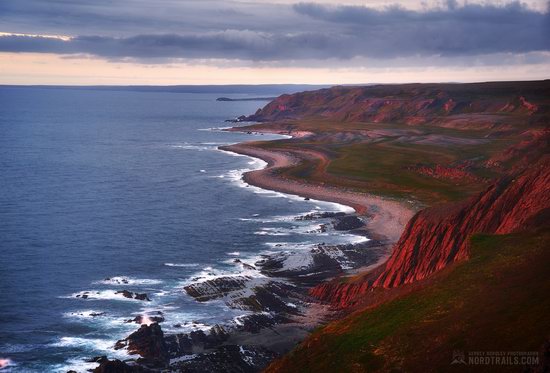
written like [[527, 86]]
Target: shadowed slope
[[496, 301]]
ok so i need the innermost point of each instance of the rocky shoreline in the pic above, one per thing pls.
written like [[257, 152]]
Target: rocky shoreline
[[279, 312]]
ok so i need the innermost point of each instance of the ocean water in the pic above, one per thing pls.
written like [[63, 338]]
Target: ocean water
[[104, 191]]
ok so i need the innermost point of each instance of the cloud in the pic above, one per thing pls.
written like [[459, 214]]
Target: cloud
[[230, 44], [314, 32], [447, 31]]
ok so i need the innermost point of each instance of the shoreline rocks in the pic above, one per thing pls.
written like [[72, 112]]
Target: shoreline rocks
[[277, 298], [132, 295], [148, 341]]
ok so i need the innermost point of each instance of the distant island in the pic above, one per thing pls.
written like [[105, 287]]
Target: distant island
[[246, 99]]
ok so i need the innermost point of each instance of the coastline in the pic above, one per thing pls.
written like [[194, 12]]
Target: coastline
[[281, 311], [386, 218]]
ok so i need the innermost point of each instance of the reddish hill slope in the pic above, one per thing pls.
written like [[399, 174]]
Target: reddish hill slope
[[438, 236], [494, 103], [496, 301]]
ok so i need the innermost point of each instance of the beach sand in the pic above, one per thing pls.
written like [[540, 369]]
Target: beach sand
[[386, 218]]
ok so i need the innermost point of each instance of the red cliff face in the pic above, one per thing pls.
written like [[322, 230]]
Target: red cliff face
[[438, 236]]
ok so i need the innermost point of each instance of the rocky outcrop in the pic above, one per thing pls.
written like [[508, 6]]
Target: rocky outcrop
[[117, 366], [242, 359], [132, 295], [217, 287], [196, 341], [321, 263], [347, 223], [320, 215], [148, 342], [438, 236], [146, 319]]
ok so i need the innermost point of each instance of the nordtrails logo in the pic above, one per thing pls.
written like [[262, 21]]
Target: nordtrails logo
[[495, 358], [458, 357]]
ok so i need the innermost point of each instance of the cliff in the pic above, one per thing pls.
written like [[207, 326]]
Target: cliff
[[438, 236], [495, 301]]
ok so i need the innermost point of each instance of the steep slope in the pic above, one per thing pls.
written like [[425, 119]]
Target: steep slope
[[496, 301], [438, 236]]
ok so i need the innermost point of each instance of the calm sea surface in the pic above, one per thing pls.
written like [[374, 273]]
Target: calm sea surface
[[104, 191]]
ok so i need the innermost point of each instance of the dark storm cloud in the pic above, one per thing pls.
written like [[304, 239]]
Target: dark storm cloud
[[453, 30], [244, 45], [300, 32]]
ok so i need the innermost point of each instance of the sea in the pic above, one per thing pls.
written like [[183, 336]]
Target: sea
[[110, 190]]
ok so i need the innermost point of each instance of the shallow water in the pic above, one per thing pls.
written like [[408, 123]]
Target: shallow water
[[101, 184]]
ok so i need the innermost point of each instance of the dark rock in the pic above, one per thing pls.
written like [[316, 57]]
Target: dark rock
[[131, 295], [258, 321], [117, 366], [241, 118], [346, 223], [148, 342], [327, 262], [196, 342], [126, 293], [232, 358], [320, 215], [142, 296], [216, 288], [139, 319], [267, 298]]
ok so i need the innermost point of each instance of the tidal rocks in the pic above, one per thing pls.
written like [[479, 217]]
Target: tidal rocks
[[145, 319], [117, 280], [323, 262], [216, 288], [266, 298], [117, 366], [231, 358], [148, 342], [132, 295], [245, 265], [244, 292], [141, 296], [320, 215], [196, 341], [348, 222]]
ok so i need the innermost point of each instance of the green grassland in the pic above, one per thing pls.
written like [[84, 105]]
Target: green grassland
[[496, 301], [385, 165]]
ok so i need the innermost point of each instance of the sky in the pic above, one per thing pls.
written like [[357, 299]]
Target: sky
[[167, 42]]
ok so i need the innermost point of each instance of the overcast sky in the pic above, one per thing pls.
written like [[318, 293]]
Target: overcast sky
[[271, 41]]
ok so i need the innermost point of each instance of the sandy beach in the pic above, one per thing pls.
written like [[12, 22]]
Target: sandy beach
[[386, 218]]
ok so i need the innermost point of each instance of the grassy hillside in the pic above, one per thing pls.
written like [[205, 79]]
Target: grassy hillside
[[496, 301], [385, 159]]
